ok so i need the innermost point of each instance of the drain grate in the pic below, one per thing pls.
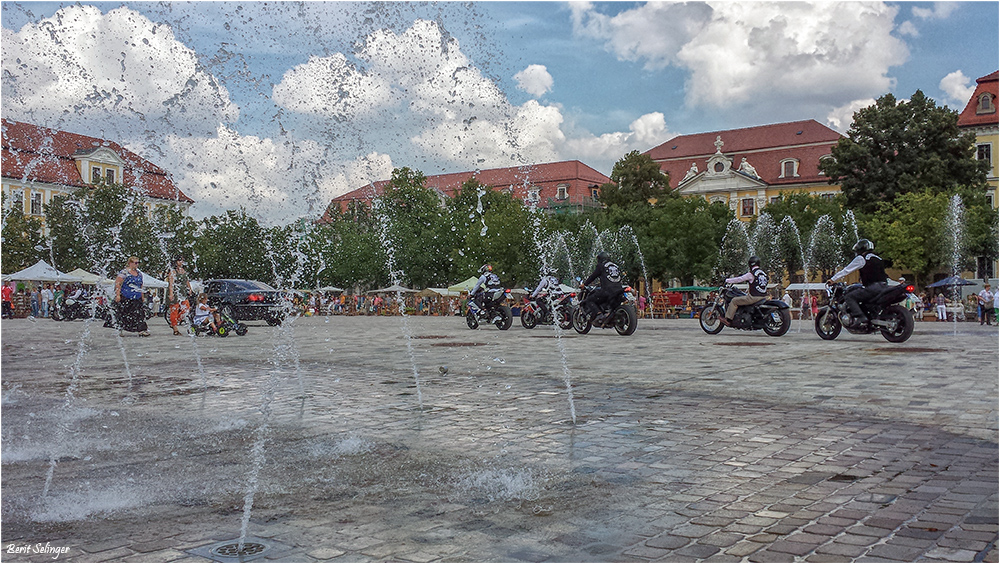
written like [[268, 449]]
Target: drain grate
[[229, 550], [232, 550]]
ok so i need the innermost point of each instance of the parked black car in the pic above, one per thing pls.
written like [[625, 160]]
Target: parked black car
[[247, 300]]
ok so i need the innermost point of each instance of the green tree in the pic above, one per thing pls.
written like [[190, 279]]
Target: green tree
[[685, 238], [898, 147], [910, 232], [635, 178], [21, 234], [233, 245]]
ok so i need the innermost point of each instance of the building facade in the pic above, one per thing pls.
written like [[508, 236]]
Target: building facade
[[40, 163], [749, 168], [980, 117], [560, 187]]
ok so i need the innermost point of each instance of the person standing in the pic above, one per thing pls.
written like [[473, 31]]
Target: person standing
[[787, 298], [942, 307], [178, 293], [48, 297], [985, 305], [128, 299], [35, 299], [8, 301]]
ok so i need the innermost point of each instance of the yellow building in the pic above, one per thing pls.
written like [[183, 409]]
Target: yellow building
[[980, 116], [749, 168], [40, 163]]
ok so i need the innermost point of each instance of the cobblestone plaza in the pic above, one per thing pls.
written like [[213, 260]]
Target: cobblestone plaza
[[356, 439]]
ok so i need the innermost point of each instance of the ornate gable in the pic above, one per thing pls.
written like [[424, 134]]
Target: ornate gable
[[719, 175]]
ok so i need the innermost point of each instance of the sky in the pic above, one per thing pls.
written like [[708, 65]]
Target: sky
[[280, 106]]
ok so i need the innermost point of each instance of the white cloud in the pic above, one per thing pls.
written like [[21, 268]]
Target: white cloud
[[907, 28], [842, 117], [116, 71], [817, 54], [443, 104], [937, 11], [956, 86], [275, 180], [534, 79]]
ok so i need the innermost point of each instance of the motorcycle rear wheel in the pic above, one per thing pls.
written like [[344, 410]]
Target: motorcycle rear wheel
[[710, 319], [827, 325], [626, 320], [506, 318], [528, 319], [471, 321], [904, 323], [565, 318], [779, 327], [581, 321]]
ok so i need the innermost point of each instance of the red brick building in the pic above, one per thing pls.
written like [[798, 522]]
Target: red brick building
[[39, 163], [558, 187]]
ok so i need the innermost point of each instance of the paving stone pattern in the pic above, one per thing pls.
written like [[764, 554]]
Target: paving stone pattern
[[384, 439]]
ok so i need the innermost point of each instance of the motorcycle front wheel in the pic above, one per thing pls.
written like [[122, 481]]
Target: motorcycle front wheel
[[471, 321], [581, 321], [778, 322], [710, 319], [626, 320], [529, 319], [903, 327], [506, 318], [827, 325]]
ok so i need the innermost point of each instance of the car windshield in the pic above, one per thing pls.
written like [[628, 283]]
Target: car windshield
[[251, 285]]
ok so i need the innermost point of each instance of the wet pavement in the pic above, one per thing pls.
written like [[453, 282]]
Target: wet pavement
[[355, 439]]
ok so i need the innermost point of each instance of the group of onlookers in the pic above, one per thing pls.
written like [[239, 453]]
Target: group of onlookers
[[38, 301]]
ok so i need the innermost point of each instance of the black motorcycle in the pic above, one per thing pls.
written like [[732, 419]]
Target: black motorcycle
[[495, 310], [541, 311], [770, 315], [73, 308], [619, 312], [894, 321]]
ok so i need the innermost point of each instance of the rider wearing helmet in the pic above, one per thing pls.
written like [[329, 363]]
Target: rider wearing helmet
[[873, 277], [758, 288], [611, 284], [487, 281], [550, 288]]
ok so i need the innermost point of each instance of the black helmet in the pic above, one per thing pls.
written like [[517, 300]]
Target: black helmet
[[603, 257], [864, 246], [485, 268], [754, 261]]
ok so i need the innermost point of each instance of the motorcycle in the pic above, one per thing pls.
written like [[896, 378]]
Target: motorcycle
[[772, 316], [894, 321], [73, 308], [495, 310], [540, 311], [619, 312]]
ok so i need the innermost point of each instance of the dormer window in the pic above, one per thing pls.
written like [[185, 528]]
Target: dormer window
[[561, 191], [109, 176], [985, 105], [595, 193], [789, 168], [533, 195], [95, 175]]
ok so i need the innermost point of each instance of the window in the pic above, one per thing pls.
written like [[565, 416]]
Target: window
[[109, 175], [789, 168], [36, 203], [984, 152], [985, 105], [775, 199], [533, 195], [561, 191], [595, 194], [95, 175], [746, 206], [828, 195]]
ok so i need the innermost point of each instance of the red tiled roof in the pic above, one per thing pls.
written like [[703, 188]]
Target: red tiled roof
[[544, 176], [40, 154], [969, 117], [764, 147]]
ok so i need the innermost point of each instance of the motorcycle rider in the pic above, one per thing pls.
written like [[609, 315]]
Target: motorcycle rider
[[488, 282], [873, 279], [611, 284], [758, 289], [548, 286]]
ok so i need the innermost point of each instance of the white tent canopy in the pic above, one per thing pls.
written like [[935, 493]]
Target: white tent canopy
[[392, 290], [88, 278], [329, 289], [42, 271]]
